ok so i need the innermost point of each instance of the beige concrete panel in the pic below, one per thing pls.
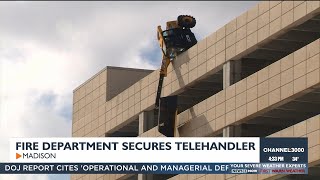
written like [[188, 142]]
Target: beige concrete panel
[[252, 93], [286, 76], [252, 107], [264, 6], [230, 117], [300, 129], [88, 87], [263, 75], [313, 138], [296, 3], [230, 52], [299, 84], [274, 82], [102, 120], [102, 89], [220, 109], [144, 103], [220, 97], [264, 19], [95, 82], [275, 26], [75, 107], [241, 86], [242, 20], [263, 33], [220, 58], [193, 75], [211, 39], [263, 102], [286, 62], [76, 96], [193, 63], [313, 124], [253, 176], [211, 64], [221, 33], [274, 96], [230, 91], [274, 69], [241, 33], [241, 99], [313, 63], [202, 45], [231, 103], [263, 88], [313, 78], [231, 39], [312, 6], [202, 69], [275, 12], [252, 40], [252, 26], [287, 18], [286, 90], [313, 154], [231, 26], [253, 13], [95, 125], [108, 125], [241, 46], [286, 6], [211, 51], [252, 80], [241, 112], [102, 110], [300, 11], [202, 57], [299, 70], [288, 132], [220, 45], [220, 122]]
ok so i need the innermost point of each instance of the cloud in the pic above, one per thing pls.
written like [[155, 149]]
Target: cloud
[[47, 49]]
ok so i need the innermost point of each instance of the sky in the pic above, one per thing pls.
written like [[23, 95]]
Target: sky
[[47, 49]]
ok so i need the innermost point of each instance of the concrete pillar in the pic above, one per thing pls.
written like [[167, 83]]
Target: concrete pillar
[[146, 121], [231, 73], [145, 177], [228, 131], [232, 131]]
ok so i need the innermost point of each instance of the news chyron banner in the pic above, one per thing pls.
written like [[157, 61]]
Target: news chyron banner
[[139, 155]]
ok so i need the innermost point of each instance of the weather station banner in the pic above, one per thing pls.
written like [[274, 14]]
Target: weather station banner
[[140, 155]]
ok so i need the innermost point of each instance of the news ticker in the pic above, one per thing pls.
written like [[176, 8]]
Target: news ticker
[[153, 168], [210, 155]]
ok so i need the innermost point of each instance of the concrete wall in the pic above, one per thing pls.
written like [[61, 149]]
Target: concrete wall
[[89, 99], [283, 81]]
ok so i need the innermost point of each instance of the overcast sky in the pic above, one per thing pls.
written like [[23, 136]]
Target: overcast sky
[[47, 49]]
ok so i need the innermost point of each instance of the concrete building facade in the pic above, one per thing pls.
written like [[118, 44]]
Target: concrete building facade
[[259, 75]]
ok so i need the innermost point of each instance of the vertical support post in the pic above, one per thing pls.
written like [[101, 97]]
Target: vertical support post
[[231, 73], [146, 121], [228, 131]]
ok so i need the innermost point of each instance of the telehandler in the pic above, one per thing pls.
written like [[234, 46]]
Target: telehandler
[[176, 39]]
